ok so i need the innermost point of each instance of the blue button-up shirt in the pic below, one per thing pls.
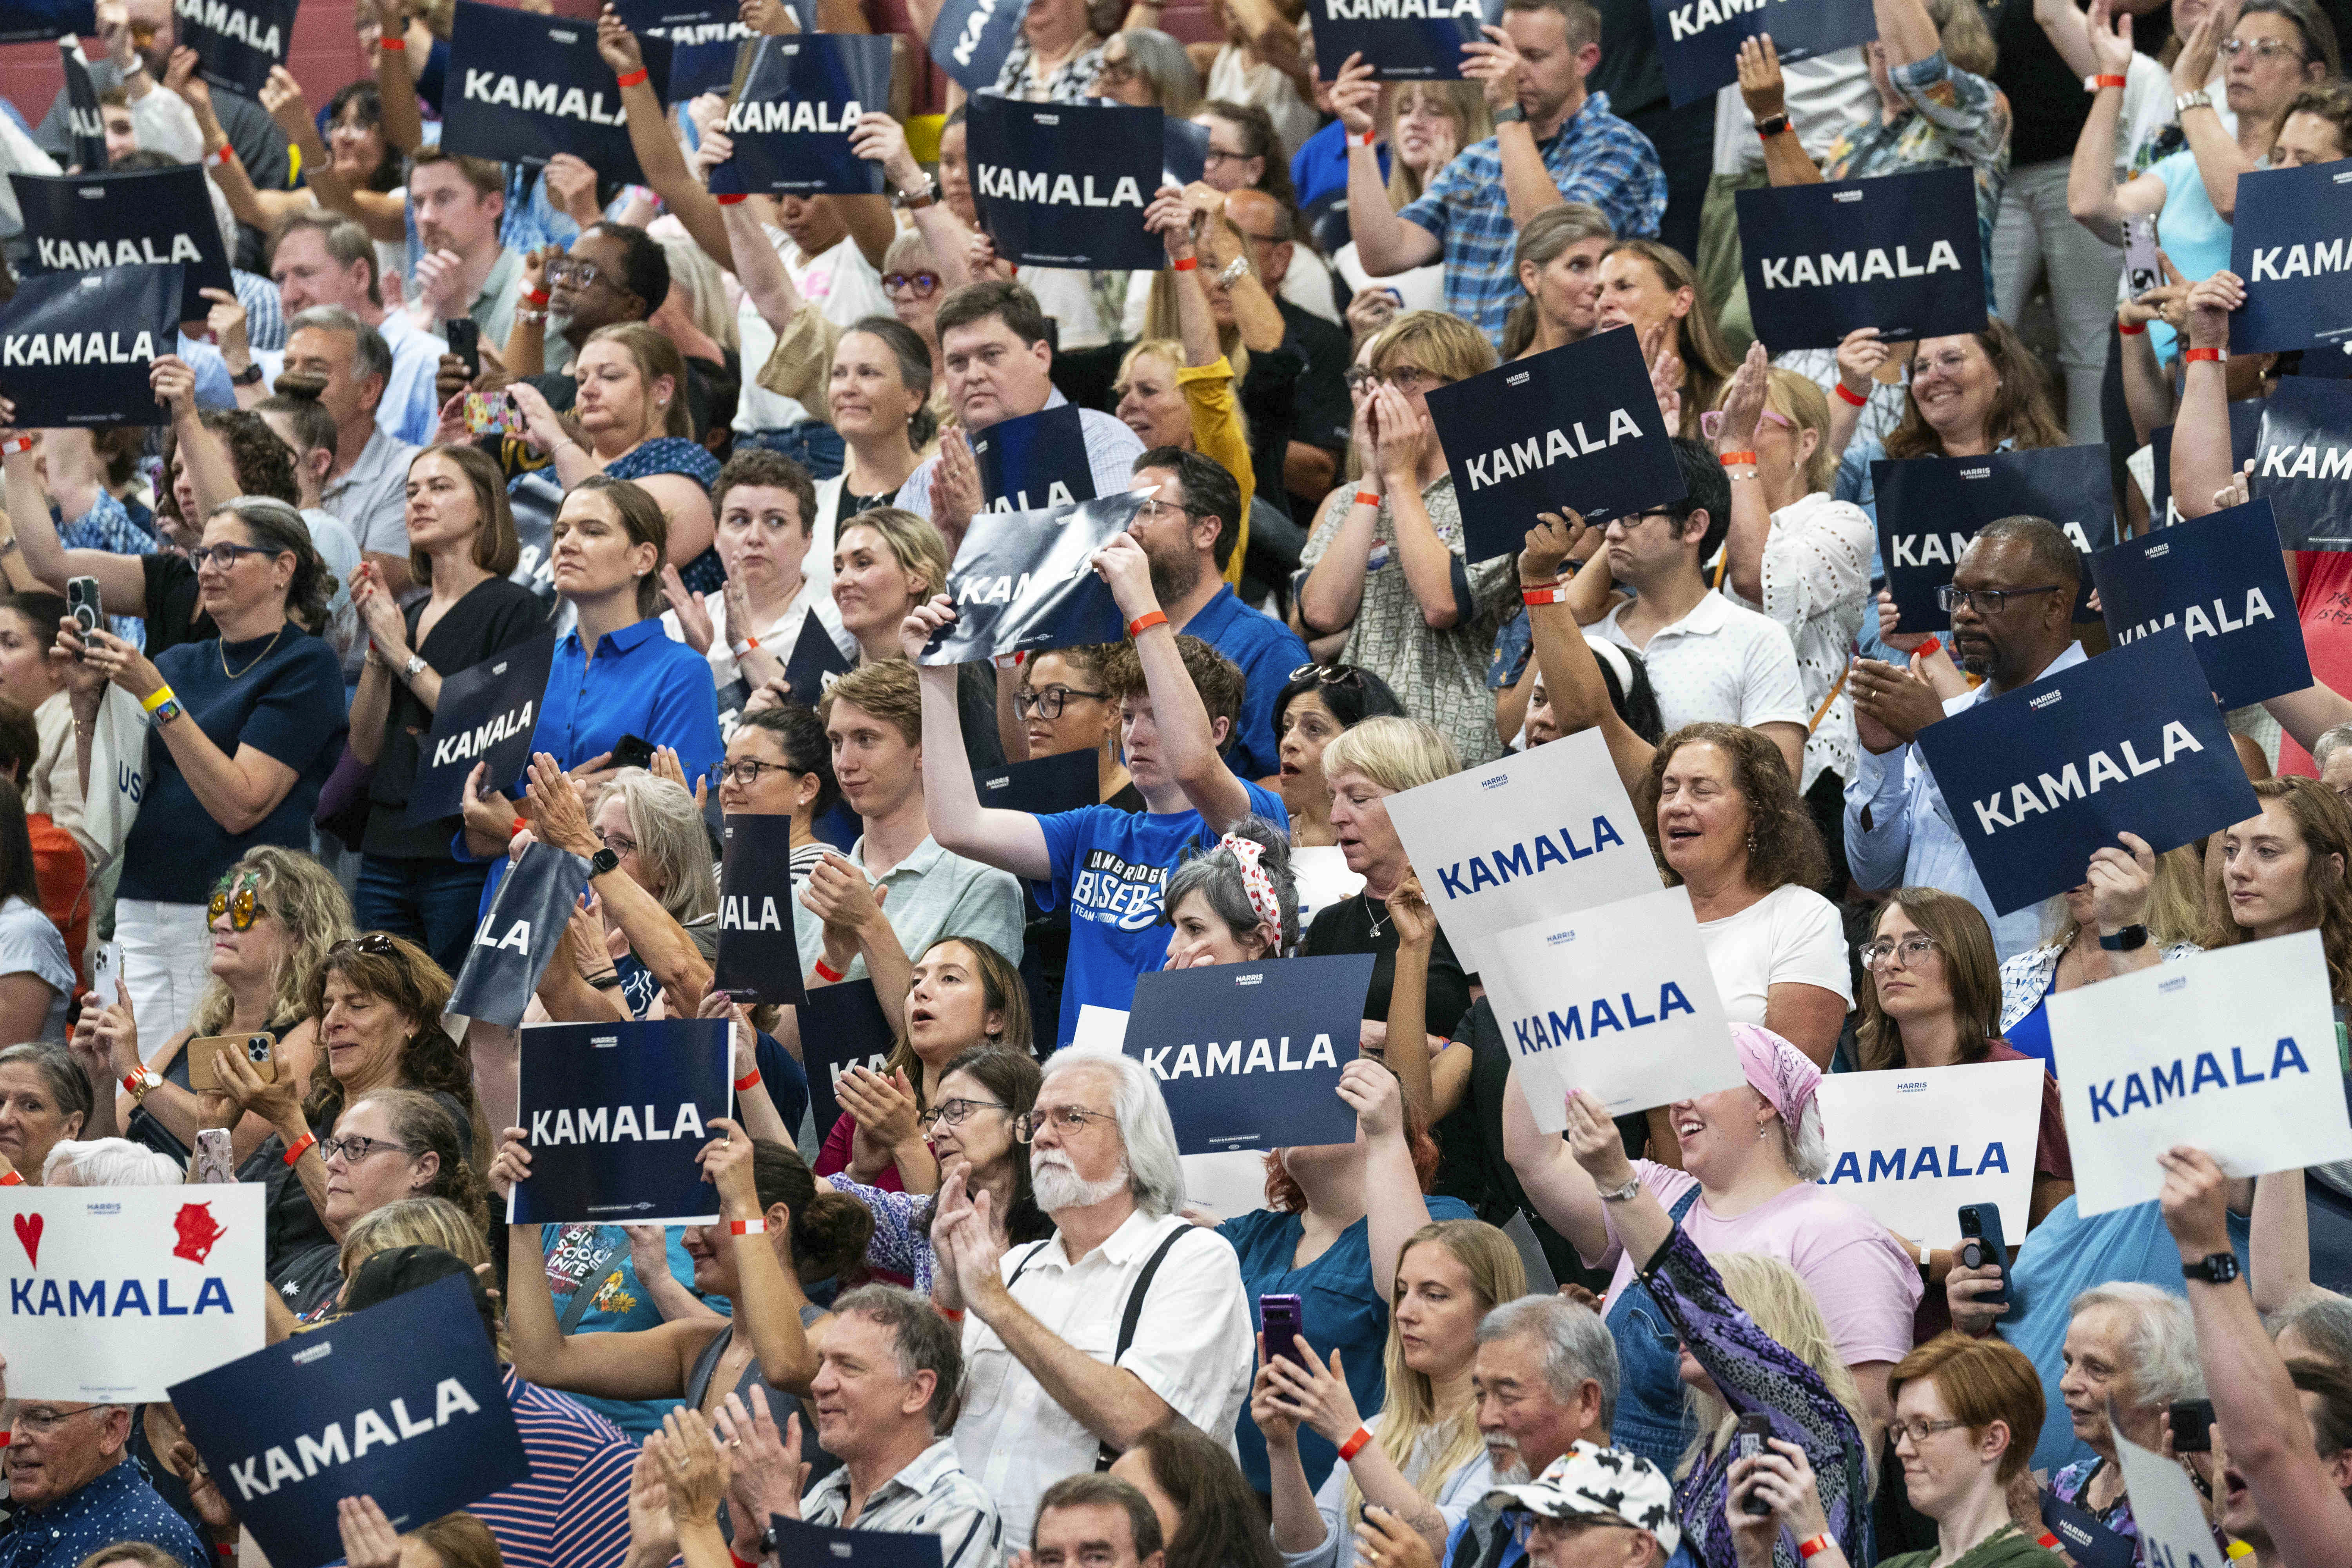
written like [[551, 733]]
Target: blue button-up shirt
[[640, 683], [118, 1506], [1899, 831], [1267, 651], [1595, 157]]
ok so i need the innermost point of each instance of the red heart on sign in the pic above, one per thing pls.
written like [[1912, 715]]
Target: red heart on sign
[[28, 1231]]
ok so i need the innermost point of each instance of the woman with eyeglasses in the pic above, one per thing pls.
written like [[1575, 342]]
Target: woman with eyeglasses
[[1144, 68], [780, 764], [461, 549], [1319, 702], [978, 1126], [244, 728]]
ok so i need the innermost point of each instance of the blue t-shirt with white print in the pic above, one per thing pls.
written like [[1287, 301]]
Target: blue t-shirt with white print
[[1110, 864]]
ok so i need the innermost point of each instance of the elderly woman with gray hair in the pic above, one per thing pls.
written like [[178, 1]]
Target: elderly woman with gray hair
[[2132, 1346]]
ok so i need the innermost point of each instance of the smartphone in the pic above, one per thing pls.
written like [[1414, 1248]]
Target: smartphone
[[106, 972], [81, 603], [1282, 1318], [2192, 1426], [214, 1161], [203, 1058], [1980, 1245], [465, 341], [493, 414], [1748, 1440], [630, 752], [2141, 265]]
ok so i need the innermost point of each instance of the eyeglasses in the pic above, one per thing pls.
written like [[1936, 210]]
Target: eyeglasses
[[2264, 49], [619, 844], [32, 1419], [1116, 71], [1982, 601], [1150, 511], [1918, 1429], [924, 284], [1049, 702], [1526, 1528], [745, 770], [1404, 377], [1214, 156], [573, 274], [240, 902], [1914, 950], [1710, 424], [358, 1147], [1066, 1118], [954, 1112], [225, 556], [374, 944]]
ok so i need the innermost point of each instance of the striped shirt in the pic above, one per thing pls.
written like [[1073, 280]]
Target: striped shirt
[[573, 1512], [932, 1496]]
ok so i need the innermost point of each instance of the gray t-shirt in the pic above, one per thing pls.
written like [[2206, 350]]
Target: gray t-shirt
[[30, 945]]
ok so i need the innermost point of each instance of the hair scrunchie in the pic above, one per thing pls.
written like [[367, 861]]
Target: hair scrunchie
[[1249, 854]]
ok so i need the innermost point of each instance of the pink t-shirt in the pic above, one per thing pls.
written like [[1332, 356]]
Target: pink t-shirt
[[1866, 1286]]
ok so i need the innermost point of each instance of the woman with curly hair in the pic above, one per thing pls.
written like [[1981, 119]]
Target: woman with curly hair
[[2283, 871]]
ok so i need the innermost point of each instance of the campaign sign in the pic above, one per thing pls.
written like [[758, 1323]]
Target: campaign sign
[[2170, 1521], [1248, 1056], [2038, 779], [1183, 151], [2302, 461], [2245, 428], [1320, 872], [800, 1542], [1403, 40], [2288, 242], [816, 662], [117, 1293], [26, 21], [488, 713], [1899, 253], [85, 121], [1042, 786], [1064, 184], [1539, 833], [1930, 508], [402, 1402], [842, 1026], [2219, 579], [150, 217], [1618, 999], [1698, 42], [1576, 428], [791, 123], [1035, 460], [236, 41], [511, 947], [525, 86], [757, 959], [2232, 1050], [614, 1115], [971, 38], [76, 348], [1023, 582], [1912, 1146]]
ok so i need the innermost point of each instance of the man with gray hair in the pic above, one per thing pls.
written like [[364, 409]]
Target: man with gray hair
[[1127, 1318], [1545, 1378], [2333, 757], [324, 258], [887, 1376], [368, 486], [73, 1488]]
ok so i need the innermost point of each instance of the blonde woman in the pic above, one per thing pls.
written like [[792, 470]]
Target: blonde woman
[[1558, 264], [1424, 124], [2116, 891]]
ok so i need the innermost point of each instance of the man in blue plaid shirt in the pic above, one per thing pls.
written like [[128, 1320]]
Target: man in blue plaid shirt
[[1554, 143]]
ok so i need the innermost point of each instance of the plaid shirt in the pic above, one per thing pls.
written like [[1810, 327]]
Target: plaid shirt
[[933, 1496], [1595, 157], [1955, 118]]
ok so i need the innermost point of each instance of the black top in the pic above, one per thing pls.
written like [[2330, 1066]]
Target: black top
[[2047, 104], [1471, 1166], [1269, 397], [1346, 927], [171, 604], [1630, 71], [494, 615], [1326, 418]]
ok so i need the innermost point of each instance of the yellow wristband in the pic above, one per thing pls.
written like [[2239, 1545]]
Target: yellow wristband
[[156, 699]]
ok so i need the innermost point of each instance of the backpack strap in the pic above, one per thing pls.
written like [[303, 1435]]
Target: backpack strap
[[1105, 1457]]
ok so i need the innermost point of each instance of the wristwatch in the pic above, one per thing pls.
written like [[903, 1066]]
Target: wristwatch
[[1772, 125], [1509, 114], [2131, 939], [918, 200], [247, 376], [1625, 1194], [165, 712], [1236, 270], [414, 668], [2201, 98], [603, 861], [2216, 1268]]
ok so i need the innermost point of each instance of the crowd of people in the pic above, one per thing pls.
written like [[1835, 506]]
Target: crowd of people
[[704, 445]]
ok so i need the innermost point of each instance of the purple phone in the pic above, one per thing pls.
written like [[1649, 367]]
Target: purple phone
[[1282, 1320]]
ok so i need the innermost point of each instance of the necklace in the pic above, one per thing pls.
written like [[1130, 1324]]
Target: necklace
[[1378, 928], [241, 674]]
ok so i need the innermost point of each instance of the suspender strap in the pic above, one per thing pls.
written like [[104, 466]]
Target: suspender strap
[[1104, 1457]]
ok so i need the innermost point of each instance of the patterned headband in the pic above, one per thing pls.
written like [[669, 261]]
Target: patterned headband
[[1248, 853]]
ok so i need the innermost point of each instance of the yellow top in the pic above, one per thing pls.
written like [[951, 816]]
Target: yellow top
[[1220, 434]]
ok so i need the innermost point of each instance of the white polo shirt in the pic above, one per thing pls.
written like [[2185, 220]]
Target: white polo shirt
[[1720, 663], [1194, 1347]]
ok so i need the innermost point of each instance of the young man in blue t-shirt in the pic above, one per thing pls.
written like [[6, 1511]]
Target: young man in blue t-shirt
[[1178, 700]]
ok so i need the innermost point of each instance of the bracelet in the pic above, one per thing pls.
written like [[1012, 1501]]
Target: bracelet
[[1862, 401], [2096, 82], [15, 444], [1366, 497], [952, 1314], [747, 1227], [140, 1083], [606, 980], [748, 1082], [224, 1550], [522, 314], [633, 78], [1354, 1445], [1555, 595], [1184, 265], [156, 699], [2216, 355], [9, 1178], [1366, 138], [301, 1146], [2136, 329], [1813, 1548], [519, 825], [397, 46], [1146, 621], [2048, 1543], [226, 155], [731, 199], [827, 973], [1734, 459], [1929, 649], [738, 1562], [536, 297]]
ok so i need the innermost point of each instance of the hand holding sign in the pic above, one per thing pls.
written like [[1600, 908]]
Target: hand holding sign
[[2194, 1200], [1493, 61], [2211, 301], [1761, 87], [1594, 1141], [369, 1539], [1356, 95], [510, 1166], [726, 1163], [2120, 880]]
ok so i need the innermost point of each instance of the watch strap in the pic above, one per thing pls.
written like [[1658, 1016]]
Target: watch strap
[[1509, 114], [602, 861], [1625, 1194], [2130, 938]]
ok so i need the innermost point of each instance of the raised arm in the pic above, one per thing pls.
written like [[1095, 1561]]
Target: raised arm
[[1385, 243], [1493, 61], [560, 819], [882, 139], [1751, 515], [2202, 457], [769, 1298], [1560, 1190], [1765, 92], [656, 149], [1572, 671], [1407, 1051], [1393, 1205], [1009, 840], [121, 579], [396, 75], [1188, 739], [641, 1366]]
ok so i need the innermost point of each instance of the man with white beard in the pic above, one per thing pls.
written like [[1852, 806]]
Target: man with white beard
[[1127, 1318], [1545, 1377]]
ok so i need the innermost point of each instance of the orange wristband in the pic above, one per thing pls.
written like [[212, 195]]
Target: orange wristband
[[1366, 497], [634, 78], [1366, 138], [2136, 329], [302, 1146], [1861, 402], [749, 1081], [11, 1179], [1354, 1445], [2216, 355], [827, 973], [1186, 265], [397, 46], [1734, 459], [1552, 596], [536, 298], [1813, 1548], [747, 1227], [2099, 81], [1145, 622], [1929, 649]]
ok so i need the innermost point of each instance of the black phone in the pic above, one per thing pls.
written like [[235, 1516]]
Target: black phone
[[82, 604], [630, 752], [1283, 1318], [2192, 1426], [1747, 1441], [465, 341], [1980, 1245]]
